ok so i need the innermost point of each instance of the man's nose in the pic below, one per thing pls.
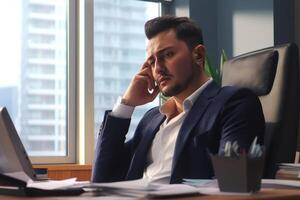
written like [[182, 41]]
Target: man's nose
[[159, 65]]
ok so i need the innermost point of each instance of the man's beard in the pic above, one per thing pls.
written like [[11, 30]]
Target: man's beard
[[180, 87], [177, 89]]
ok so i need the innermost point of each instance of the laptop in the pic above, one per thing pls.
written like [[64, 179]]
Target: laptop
[[14, 160], [15, 167]]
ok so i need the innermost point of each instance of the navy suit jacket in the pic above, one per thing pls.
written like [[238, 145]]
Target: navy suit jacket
[[217, 116]]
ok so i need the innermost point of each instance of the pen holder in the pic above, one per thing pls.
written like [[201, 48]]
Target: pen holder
[[238, 174]]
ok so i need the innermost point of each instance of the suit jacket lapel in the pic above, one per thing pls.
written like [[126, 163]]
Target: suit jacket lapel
[[138, 162], [192, 118]]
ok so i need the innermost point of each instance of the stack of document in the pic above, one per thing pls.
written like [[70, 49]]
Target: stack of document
[[43, 188], [141, 188], [288, 171]]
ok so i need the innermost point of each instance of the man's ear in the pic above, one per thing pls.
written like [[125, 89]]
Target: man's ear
[[199, 54]]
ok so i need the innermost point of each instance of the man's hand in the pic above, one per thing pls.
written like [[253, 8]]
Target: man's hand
[[142, 88]]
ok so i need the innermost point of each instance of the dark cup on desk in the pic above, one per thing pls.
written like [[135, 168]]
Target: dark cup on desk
[[238, 174]]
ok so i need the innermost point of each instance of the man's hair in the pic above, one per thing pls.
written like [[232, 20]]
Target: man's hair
[[185, 29]]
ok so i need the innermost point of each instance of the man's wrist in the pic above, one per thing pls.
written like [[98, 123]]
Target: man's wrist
[[124, 102], [122, 110]]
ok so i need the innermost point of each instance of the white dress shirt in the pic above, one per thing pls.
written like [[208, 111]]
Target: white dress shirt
[[160, 156]]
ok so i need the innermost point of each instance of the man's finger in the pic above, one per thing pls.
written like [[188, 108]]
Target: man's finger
[[145, 65]]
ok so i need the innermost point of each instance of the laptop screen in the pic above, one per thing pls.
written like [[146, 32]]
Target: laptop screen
[[14, 161]]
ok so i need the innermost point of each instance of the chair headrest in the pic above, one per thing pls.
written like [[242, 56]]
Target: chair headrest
[[255, 71]]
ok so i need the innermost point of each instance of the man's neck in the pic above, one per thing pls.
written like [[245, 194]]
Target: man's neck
[[186, 93]]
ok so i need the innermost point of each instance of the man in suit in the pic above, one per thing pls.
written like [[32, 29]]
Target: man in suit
[[174, 141]]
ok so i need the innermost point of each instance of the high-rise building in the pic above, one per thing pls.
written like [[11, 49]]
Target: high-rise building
[[119, 50], [43, 77]]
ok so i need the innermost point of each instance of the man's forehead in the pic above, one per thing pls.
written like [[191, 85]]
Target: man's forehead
[[161, 41]]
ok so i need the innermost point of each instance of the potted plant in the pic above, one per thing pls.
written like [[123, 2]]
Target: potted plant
[[215, 72]]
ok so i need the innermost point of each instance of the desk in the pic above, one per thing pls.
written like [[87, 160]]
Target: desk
[[274, 194], [65, 171]]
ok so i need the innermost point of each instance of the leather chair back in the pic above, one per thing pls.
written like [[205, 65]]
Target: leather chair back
[[273, 74]]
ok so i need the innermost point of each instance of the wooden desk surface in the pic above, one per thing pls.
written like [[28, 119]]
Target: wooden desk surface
[[267, 194]]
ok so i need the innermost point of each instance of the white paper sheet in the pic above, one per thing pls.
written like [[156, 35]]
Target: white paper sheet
[[209, 187], [139, 184], [173, 190], [142, 188], [51, 185]]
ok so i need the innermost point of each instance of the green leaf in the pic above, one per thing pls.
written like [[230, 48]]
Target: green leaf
[[208, 67], [215, 72], [210, 70], [223, 59]]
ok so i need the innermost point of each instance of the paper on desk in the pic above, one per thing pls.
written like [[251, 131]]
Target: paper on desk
[[279, 182], [135, 188], [209, 187], [143, 188], [139, 184], [51, 185], [173, 190]]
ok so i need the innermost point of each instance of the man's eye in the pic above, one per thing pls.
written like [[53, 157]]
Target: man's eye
[[169, 54]]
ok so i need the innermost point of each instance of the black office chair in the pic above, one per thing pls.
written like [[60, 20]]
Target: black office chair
[[273, 74]]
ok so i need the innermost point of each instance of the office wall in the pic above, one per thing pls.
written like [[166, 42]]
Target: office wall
[[240, 26], [297, 22], [251, 24], [284, 17], [204, 13], [297, 41]]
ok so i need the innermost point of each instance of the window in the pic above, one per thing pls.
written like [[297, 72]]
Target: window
[[43, 62], [41, 38], [120, 49], [36, 23], [42, 8], [34, 85]]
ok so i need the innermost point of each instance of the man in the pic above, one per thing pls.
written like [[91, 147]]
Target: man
[[173, 142]]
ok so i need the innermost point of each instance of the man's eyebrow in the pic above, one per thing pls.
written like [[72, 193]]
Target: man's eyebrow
[[164, 49], [160, 52]]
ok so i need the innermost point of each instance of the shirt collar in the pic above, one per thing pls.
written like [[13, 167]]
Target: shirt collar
[[169, 107], [190, 100]]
